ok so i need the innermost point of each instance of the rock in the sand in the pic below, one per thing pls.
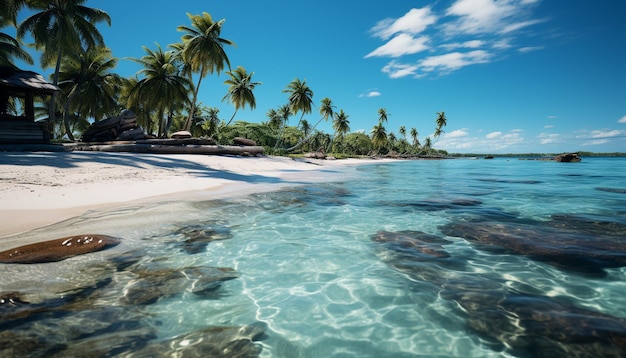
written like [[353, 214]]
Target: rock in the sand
[[243, 141], [315, 155], [181, 135], [57, 250]]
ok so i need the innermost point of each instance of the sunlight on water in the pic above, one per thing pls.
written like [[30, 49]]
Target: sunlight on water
[[375, 265]]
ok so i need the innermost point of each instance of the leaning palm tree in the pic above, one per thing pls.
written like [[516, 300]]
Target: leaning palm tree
[[87, 76], [61, 26], [240, 91], [441, 122], [326, 111], [163, 87], [203, 51]]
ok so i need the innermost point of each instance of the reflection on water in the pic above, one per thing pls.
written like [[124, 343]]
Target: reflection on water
[[452, 258]]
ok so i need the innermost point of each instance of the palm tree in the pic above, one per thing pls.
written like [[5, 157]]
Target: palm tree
[[62, 26], [414, 137], [163, 87], [300, 97], [341, 125], [203, 51], [283, 113], [441, 122], [428, 143], [275, 121], [379, 136], [87, 76], [10, 47], [326, 111], [240, 90], [383, 116]]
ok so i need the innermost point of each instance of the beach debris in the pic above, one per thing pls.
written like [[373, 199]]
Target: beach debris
[[315, 155], [243, 141], [58, 249], [181, 135], [121, 127]]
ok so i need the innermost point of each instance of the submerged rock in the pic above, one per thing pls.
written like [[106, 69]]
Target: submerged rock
[[57, 250], [415, 242], [567, 249], [199, 236]]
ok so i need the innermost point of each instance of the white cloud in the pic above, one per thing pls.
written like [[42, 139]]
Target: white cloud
[[398, 70], [453, 61], [553, 117], [487, 16], [606, 133], [548, 126], [493, 135], [402, 44], [622, 120], [529, 49], [371, 94], [466, 44], [595, 142], [456, 133], [548, 138], [413, 22]]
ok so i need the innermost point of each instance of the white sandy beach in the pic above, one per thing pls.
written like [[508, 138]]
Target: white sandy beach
[[43, 188]]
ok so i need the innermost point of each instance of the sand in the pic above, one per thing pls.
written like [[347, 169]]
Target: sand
[[42, 188]]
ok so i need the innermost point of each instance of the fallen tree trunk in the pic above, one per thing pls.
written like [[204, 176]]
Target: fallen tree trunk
[[172, 149]]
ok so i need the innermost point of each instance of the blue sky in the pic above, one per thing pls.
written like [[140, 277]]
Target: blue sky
[[512, 76]]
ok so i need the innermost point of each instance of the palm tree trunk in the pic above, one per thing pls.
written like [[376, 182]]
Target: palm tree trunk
[[53, 99], [231, 118], [192, 110]]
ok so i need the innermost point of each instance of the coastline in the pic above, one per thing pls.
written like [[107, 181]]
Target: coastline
[[42, 188]]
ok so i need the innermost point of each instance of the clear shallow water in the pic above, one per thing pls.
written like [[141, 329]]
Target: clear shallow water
[[316, 274]]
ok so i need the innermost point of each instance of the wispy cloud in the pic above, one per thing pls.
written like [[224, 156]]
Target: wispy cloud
[[372, 93], [466, 32], [413, 22], [496, 141], [622, 120], [549, 138]]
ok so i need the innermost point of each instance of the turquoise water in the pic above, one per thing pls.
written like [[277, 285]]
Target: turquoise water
[[376, 264]]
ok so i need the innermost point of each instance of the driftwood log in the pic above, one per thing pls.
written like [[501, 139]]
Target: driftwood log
[[172, 149]]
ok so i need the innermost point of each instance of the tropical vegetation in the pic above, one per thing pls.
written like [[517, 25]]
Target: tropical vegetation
[[164, 92]]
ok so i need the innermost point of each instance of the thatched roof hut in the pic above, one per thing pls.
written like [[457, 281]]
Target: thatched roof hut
[[19, 86]]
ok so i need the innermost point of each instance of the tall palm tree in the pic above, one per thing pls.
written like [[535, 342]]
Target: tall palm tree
[[275, 121], [163, 87], [62, 26], [87, 76], [283, 113], [379, 136], [203, 51], [341, 125], [240, 91], [326, 111], [414, 137], [402, 132], [428, 143], [300, 97], [383, 116], [441, 122]]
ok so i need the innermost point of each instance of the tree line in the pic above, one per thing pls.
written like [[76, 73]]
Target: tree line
[[164, 92]]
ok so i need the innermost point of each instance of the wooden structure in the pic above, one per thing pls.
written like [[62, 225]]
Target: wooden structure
[[18, 89]]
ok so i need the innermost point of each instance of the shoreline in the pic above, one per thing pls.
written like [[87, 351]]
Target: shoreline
[[38, 189]]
